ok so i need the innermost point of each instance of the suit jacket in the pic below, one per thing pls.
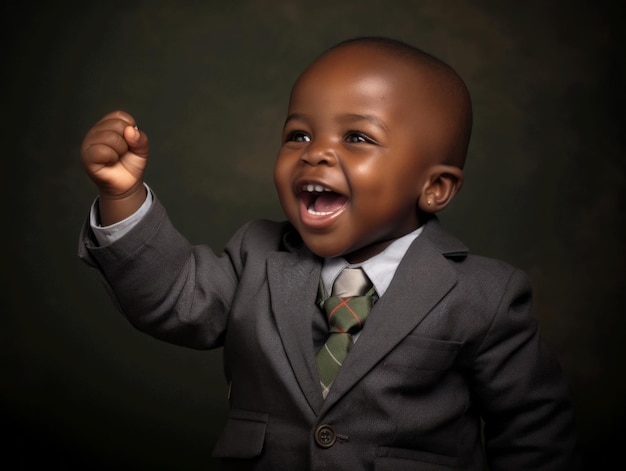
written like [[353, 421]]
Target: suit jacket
[[448, 358]]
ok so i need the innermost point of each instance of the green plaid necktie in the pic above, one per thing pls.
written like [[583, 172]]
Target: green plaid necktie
[[346, 310]]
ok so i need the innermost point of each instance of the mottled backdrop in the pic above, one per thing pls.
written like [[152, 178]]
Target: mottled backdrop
[[209, 82]]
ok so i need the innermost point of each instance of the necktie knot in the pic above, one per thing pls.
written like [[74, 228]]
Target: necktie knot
[[351, 282]]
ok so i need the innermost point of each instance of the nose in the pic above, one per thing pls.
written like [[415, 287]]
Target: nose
[[320, 153]]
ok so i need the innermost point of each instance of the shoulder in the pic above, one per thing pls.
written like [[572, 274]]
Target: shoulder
[[262, 235], [263, 231], [472, 269]]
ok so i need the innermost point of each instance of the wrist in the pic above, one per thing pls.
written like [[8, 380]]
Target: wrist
[[115, 208]]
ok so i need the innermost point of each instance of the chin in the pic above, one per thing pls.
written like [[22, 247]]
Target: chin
[[321, 249]]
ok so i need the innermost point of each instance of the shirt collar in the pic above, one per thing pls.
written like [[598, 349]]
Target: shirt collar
[[380, 269]]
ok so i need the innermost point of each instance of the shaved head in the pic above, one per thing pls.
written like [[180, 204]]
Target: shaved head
[[434, 86]]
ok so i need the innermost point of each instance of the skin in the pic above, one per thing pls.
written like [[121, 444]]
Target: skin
[[114, 154], [378, 130], [385, 135]]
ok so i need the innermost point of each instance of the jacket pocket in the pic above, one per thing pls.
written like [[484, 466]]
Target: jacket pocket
[[400, 459], [243, 435], [420, 353]]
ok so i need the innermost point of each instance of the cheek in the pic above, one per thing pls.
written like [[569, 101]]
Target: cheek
[[366, 179], [283, 184], [281, 173], [389, 198], [376, 186]]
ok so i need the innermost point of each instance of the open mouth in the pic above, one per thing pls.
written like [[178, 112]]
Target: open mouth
[[321, 201]]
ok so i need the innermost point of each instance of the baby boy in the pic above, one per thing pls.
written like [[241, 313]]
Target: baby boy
[[437, 366]]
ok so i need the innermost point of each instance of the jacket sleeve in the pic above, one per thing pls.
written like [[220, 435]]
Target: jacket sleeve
[[529, 422], [165, 286]]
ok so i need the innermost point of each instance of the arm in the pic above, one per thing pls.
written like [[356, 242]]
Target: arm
[[525, 404], [163, 285]]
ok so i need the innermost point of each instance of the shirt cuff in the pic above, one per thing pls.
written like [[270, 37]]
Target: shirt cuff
[[108, 234]]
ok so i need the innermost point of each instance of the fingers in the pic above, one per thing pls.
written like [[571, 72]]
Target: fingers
[[119, 115], [137, 141], [118, 132], [98, 139], [115, 122]]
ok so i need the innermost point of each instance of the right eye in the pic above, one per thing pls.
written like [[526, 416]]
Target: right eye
[[298, 136]]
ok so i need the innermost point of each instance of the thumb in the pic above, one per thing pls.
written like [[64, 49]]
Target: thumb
[[137, 141]]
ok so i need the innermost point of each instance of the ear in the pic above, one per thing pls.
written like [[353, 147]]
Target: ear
[[442, 184]]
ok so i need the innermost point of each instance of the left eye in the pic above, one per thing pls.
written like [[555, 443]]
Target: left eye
[[356, 137]]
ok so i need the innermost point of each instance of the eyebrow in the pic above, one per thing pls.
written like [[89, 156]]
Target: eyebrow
[[366, 117], [350, 118], [295, 116]]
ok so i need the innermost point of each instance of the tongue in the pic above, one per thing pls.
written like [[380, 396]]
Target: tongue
[[328, 202]]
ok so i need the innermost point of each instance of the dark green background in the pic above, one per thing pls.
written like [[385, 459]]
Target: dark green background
[[209, 82]]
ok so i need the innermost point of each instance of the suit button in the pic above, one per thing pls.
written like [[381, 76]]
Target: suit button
[[325, 436]]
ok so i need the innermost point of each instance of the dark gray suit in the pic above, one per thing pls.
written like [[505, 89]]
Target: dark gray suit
[[449, 343]]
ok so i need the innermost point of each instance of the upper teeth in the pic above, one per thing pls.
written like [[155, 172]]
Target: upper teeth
[[318, 188]]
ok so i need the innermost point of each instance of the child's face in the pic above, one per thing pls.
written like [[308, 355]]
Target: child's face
[[355, 154]]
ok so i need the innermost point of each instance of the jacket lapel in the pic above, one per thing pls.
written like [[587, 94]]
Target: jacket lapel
[[293, 281], [422, 279]]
